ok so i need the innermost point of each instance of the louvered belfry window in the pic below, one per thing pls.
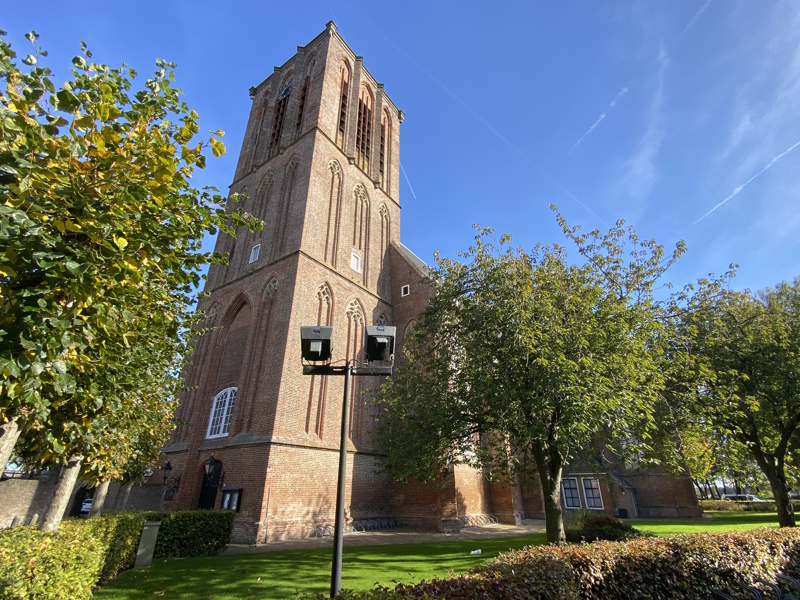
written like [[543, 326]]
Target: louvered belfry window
[[344, 87], [364, 130], [278, 118]]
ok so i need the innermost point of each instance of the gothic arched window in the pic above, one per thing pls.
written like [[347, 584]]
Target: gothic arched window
[[278, 116], [334, 213], [355, 347], [318, 392], [344, 88], [220, 420], [361, 232], [385, 157], [364, 129]]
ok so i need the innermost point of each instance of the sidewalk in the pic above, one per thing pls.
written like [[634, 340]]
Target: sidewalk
[[397, 535]]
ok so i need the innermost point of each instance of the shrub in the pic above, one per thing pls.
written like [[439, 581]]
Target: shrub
[[192, 532], [588, 526], [737, 505], [721, 505], [119, 534], [59, 565], [641, 568], [68, 563]]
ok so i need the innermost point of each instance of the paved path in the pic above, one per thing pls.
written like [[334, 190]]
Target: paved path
[[395, 536]]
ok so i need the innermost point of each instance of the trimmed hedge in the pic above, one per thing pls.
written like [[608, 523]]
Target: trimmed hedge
[[740, 505], [663, 568], [36, 564], [69, 562], [192, 532]]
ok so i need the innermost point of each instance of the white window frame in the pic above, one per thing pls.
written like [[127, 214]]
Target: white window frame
[[355, 262], [564, 495], [592, 480], [231, 499], [219, 421], [254, 252], [405, 291]]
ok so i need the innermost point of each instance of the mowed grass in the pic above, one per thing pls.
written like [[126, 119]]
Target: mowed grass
[[268, 575], [282, 574], [721, 521]]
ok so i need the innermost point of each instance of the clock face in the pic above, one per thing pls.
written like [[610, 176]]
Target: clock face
[[287, 87]]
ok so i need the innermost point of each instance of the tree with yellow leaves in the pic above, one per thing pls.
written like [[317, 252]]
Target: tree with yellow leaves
[[100, 234]]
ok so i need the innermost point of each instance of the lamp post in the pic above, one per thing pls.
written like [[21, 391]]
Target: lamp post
[[317, 345]]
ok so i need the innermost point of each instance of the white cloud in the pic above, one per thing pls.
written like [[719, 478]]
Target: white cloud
[[765, 73], [641, 169]]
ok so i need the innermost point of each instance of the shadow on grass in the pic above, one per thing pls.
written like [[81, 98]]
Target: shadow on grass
[[283, 574]]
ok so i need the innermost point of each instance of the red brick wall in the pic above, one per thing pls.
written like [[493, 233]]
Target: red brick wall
[[28, 497], [471, 491]]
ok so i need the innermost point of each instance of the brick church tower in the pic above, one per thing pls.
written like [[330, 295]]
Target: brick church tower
[[320, 163]]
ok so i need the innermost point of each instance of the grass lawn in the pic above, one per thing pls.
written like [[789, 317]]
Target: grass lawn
[[722, 521], [282, 574]]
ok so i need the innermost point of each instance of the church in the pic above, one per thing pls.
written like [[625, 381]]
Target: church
[[319, 165]]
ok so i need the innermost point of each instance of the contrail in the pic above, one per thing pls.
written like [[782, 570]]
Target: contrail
[[619, 96], [407, 181], [590, 130], [486, 123], [696, 16], [576, 199], [602, 116], [739, 188]]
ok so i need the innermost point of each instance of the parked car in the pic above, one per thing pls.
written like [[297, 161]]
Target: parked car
[[86, 506], [743, 498]]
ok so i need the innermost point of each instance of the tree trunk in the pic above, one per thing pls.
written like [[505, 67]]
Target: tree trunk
[[772, 467], [66, 481], [124, 494], [99, 499], [699, 489], [9, 434], [780, 490], [549, 468]]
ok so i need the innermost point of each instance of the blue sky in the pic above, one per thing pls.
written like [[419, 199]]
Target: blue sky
[[681, 117]]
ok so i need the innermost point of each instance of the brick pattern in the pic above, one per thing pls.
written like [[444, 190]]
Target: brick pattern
[[29, 498], [320, 208]]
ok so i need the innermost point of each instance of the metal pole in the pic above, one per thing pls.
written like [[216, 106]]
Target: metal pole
[[338, 541]]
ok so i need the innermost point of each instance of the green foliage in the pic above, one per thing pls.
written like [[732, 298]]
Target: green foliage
[[737, 375], [118, 534], [69, 562], [60, 565], [521, 358], [730, 505], [586, 526], [193, 533], [642, 568], [100, 233]]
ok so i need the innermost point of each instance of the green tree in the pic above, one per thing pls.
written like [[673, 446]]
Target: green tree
[[521, 358], [741, 353], [100, 234]]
